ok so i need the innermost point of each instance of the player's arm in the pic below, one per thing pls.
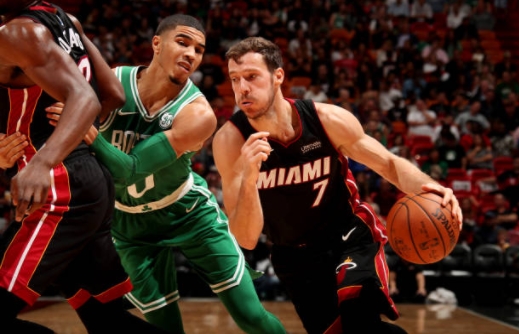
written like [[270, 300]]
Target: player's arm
[[238, 162], [347, 135], [31, 47], [190, 129], [111, 92]]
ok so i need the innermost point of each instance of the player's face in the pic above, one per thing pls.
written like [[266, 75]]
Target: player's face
[[253, 84], [180, 52]]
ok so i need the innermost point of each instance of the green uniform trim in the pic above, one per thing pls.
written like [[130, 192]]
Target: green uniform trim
[[142, 161]]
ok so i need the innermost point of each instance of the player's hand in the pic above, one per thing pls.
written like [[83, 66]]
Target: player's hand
[[448, 197], [12, 148], [421, 292], [30, 188], [54, 114], [255, 150]]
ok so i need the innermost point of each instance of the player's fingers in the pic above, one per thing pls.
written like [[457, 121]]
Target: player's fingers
[[260, 149], [56, 107], [53, 116], [14, 190], [53, 123], [9, 139], [255, 136], [16, 149], [24, 199], [17, 156], [460, 218]]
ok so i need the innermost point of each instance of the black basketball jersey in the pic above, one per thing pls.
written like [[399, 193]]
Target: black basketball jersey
[[23, 109], [308, 194]]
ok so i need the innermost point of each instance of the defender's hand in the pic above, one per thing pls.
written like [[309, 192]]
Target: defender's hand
[[255, 150], [54, 114], [30, 188], [448, 197], [12, 148]]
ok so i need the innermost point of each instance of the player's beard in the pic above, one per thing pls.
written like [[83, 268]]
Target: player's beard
[[269, 104]]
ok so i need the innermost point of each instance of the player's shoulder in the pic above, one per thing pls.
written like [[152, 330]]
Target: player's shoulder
[[23, 29], [201, 107], [229, 135]]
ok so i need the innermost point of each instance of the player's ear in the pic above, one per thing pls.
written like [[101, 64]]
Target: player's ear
[[279, 76], [156, 43]]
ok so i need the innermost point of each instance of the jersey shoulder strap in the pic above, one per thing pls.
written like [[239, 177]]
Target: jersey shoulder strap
[[239, 119]]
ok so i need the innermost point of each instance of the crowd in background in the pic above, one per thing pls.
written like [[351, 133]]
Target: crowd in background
[[427, 78]]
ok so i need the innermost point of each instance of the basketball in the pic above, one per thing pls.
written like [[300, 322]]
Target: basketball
[[420, 230]]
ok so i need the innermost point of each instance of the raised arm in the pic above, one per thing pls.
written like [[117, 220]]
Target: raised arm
[[111, 92], [30, 47], [238, 162], [190, 129], [349, 138]]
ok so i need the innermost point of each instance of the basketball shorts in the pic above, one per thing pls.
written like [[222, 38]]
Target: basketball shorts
[[67, 242], [197, 227], [319, 277]]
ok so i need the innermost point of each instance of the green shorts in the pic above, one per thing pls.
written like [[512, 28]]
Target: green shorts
[[196, 225]]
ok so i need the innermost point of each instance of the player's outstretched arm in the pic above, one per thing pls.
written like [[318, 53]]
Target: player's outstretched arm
[[239, 162], [31, 47], [111, 92], [347, 135], [190, 129]]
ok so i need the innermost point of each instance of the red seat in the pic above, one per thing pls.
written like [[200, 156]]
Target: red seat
[[419, 139], [502, 164], [454, 173], [478, 174], [421, 149]]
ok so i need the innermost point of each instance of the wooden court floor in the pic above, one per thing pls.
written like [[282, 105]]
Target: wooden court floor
[[210, 317]]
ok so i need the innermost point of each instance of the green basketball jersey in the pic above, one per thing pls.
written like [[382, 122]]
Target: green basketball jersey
[[128, 125]]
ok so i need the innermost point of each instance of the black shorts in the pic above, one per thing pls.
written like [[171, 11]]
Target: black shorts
[[319, 277], [68, 240]]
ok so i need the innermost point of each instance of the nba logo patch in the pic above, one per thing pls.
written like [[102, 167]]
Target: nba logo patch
[[166, 120]]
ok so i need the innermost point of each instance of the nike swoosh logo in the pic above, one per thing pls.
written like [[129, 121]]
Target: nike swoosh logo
[[345, 237], [189, 210]]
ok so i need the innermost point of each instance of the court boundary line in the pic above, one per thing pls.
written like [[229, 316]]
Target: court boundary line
[[489, 318]]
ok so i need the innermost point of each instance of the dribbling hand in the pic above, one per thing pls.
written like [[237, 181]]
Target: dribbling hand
[[255, 150], [448, 197]]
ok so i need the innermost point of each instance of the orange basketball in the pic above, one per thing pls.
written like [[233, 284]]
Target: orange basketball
[[420, 230]]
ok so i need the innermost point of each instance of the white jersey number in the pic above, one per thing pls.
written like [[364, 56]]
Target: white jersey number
[[149, 184], [84, 68]]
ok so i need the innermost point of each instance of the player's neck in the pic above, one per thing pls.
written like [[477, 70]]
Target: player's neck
[[281, 120], [155, 89]]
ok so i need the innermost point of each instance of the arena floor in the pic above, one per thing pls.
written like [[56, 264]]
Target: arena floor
[[208, 316]]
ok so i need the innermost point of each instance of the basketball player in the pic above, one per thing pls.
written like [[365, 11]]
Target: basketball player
[[284, 169], [160, 203], [60, 236]]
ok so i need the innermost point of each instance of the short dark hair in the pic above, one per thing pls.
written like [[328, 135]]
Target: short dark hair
[[270, 51], [172, 21]]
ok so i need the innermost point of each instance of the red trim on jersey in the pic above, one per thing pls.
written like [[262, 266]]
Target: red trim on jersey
[[52, 10], [383, 274], [115, 292], [335, 328], [27, 248], [80, 298], [349, 292], [19, 99]]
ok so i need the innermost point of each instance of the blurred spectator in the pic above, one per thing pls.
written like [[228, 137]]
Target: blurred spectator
[[479, 156], [469, 208], [438, 6], [452, 152], [502, 240], [300, 42], [315, 93], [508, 85], [420, 119], [474, 115], [208, 87], [502, 141], [501, 216], [385, 196], [446, 125], [466, 30], [421, 11], [505, 66], [483, 18], [455, 17], [441, 106], [434, 166], [398, 8], [509, 115], [436, 49]]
